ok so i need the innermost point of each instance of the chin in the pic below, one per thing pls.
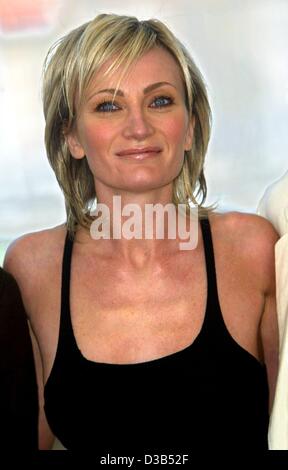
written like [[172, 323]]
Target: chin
[[145, 185]]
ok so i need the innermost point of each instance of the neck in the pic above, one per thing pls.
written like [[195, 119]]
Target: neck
[[138, 228]]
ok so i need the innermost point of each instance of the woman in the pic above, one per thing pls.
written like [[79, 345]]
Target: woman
[[136, 338]]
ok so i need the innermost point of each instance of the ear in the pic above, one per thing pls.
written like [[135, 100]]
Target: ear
[[74, 144], [189, 134]]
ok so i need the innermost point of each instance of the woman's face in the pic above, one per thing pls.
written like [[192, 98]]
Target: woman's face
[[135, 142]]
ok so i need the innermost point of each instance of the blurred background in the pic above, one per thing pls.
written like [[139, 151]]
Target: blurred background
[[239, 45]]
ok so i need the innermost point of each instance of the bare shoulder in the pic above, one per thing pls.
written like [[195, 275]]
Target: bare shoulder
[[33, 248], [31, 257], [251, 238], [244, 227]]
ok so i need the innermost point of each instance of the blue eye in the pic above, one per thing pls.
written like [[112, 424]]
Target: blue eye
[[161, 102], [106, 107]]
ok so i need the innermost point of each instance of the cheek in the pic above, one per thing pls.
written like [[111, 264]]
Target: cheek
[[96, 139], [176, 132]]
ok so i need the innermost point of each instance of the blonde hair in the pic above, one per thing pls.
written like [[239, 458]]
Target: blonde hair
[[69, 66]]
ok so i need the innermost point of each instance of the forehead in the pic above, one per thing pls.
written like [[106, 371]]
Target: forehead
[[156, 65]]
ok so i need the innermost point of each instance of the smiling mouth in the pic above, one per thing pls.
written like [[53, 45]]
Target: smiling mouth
[[139, 153]]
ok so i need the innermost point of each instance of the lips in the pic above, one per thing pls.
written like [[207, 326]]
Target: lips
[[140, 152]]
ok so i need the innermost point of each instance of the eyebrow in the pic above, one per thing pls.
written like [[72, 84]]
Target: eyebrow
[[148, 89]]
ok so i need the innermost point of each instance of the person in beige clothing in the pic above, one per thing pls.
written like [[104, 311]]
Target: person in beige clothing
[[274, 206]]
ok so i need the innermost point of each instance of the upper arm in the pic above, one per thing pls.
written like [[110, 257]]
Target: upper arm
[[256, 239], [20, 261], [269, 333], [45, 435]]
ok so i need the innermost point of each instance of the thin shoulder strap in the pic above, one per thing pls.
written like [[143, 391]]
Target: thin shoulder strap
[[213, 310], [209, 257], [66, 330], [66, 270]]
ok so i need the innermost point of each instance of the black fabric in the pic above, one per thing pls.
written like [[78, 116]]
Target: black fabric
[[18, 387], [212, 394]]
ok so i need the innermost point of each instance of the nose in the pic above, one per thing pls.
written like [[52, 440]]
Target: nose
[[137, 125]]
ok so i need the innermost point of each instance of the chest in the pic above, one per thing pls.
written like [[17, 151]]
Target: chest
[[122, 316]]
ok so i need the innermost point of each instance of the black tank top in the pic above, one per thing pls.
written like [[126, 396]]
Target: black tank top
[[212, 394]]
